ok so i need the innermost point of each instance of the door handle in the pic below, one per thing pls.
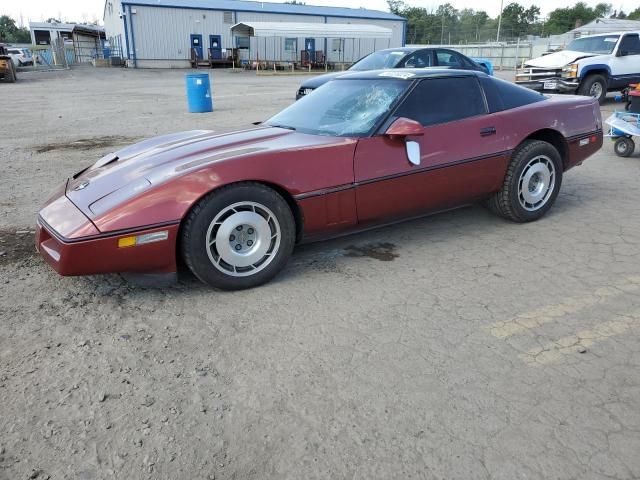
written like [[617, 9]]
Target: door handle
[[485, 132]]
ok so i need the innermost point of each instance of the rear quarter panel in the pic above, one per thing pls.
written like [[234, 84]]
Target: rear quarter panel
[[574, 117]]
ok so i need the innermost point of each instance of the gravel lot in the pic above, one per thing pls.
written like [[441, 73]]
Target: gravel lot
[[458, 346]]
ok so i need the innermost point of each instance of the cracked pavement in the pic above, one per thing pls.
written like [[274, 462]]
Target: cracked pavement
[[458, 346]]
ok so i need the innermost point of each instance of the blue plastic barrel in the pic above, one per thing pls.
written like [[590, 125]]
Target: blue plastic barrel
[[199, 93]]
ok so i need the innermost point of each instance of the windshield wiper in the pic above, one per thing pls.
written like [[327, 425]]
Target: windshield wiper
[[286, 127]]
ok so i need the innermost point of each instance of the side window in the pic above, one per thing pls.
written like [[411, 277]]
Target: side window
[[419, 59], [441, 100], [447, 58], [494, 101], [630, 44], [503, 95]]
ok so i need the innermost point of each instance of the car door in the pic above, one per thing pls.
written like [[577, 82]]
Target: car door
[[625, 65], [462, 156]]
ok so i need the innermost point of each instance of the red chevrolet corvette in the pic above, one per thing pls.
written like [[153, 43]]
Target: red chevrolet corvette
[[366, 149]]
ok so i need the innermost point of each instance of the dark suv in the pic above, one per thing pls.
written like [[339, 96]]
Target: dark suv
[[405, 57]]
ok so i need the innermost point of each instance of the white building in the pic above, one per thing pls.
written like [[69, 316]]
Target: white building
[[164, 33], [43, 33]]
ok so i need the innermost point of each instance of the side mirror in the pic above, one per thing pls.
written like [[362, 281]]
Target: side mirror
[[622, 53], [403, 128]]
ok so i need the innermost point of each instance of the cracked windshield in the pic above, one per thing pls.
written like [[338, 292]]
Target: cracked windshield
[[342, 108]]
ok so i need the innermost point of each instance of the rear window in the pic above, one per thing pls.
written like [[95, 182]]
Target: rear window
[[503, 95]]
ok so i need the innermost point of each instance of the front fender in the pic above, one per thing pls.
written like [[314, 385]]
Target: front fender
[[596, 67]]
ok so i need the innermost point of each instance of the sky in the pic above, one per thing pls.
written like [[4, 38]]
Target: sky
[[89, 10]]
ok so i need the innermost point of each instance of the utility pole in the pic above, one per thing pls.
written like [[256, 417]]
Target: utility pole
[[442, 31], [499, 21]]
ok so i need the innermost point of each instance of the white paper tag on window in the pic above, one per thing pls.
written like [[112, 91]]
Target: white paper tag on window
[[198, 81]]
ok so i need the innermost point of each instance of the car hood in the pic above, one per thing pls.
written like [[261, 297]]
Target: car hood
[[320, 80], [122, 175], [558, 59]]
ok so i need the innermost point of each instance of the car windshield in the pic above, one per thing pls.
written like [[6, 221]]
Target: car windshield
[[601, 45], [342, 108], [379, 61]]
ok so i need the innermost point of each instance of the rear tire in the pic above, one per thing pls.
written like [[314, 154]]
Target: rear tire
[[624, 147], [531, 184], [594, 86], [239, 236]]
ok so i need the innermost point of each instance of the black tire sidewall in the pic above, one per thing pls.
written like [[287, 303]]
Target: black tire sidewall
[[630, 147], [522, 160], [589, 81], [194, 243]]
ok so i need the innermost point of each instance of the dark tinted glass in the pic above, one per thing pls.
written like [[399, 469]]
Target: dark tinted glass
[[441, 100], [447, 58], [494, 102], [630, 44], [513, 96], [419, 59]]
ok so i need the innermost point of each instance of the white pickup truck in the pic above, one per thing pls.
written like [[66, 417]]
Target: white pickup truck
[[590, 66]]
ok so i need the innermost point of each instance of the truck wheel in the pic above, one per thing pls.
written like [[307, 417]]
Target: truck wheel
[[624, 147], [594, 86]]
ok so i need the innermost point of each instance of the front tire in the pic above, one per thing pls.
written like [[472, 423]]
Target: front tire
[[239, 236], [531, 184], [624, 147], [11, 77], [594, 86]]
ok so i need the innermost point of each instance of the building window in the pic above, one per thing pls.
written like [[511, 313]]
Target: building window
[[290, 44], [242, 42], [228, 17]]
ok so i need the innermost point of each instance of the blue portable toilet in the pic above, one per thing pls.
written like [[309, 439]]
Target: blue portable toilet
[[199, 93]]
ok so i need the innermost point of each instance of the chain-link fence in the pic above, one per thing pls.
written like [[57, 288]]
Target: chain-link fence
[[434, 33], [64, 53]]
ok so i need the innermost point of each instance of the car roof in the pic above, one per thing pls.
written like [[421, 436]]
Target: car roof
[[400, 49], [411, 73], [412, 49], [607, 34]]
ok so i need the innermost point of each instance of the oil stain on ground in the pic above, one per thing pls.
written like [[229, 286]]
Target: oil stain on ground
[[87, 143], [16, 246], [383, 251]]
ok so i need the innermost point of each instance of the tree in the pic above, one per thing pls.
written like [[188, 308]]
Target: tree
[[601, 10], [516, 19], [10, 32], [635, 15], [562, 20]]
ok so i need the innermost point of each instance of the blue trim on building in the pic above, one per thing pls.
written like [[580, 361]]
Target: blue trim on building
[[326, 52], [404, 34], [320, 13], [126, 30], [133, 39]]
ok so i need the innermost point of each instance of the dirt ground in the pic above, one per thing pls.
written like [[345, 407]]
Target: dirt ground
[[458, 346]]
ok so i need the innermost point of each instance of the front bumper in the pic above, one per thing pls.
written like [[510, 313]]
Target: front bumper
[[552, 84], [86, 251]]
